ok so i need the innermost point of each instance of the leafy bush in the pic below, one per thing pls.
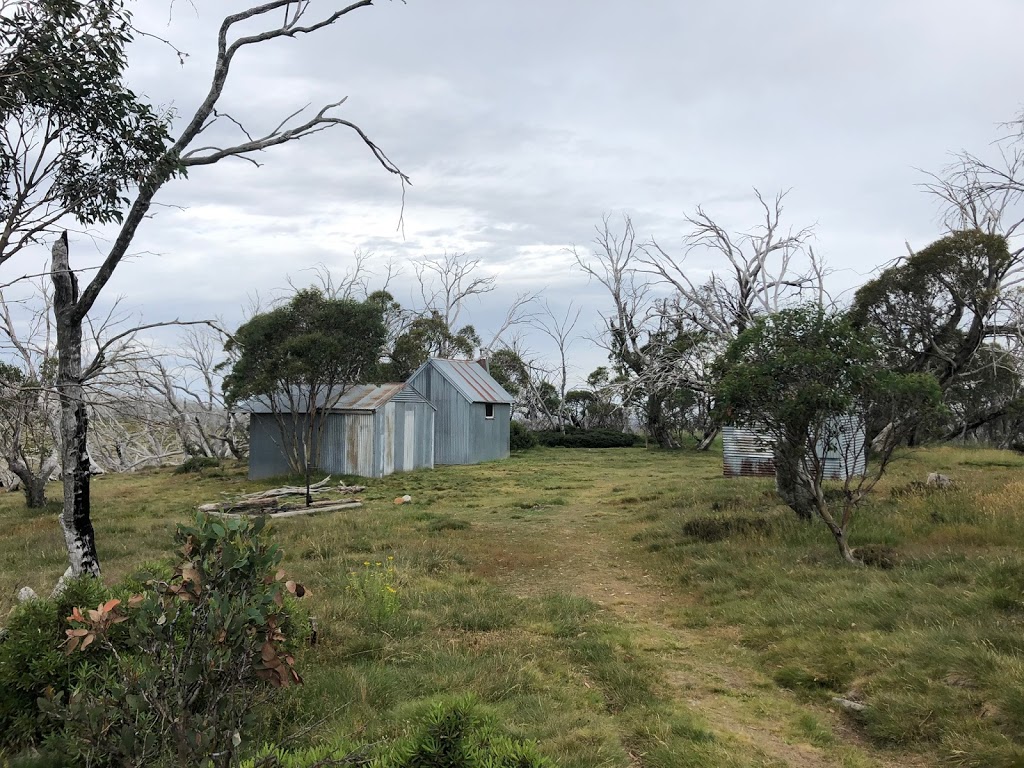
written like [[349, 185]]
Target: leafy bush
[[196, 464], [520, 438], [31, 660], [173, 675], [593, 438]]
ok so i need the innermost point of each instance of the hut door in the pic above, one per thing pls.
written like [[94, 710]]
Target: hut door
[[407, 459]]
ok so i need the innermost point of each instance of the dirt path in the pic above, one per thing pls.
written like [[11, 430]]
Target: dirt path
[[589, 554]]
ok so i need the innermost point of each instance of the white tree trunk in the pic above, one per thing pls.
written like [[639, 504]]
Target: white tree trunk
[[75, 519]]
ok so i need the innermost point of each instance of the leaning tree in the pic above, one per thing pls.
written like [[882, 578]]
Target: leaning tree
[[802, 376], [79, 145]]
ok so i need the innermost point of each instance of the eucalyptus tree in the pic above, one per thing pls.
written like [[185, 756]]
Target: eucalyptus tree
[[80, 145], [801, 376], [299, 360]]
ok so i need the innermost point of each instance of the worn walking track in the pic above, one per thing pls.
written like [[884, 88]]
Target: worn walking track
[[585, 548]]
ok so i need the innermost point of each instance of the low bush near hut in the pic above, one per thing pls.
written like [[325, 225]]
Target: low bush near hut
[[593, 438], [520, 438], [177, 672]]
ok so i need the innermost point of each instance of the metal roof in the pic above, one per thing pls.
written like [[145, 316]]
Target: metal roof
[[470, 379], [358, 397]]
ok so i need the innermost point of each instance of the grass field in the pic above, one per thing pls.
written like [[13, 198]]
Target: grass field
[[627, 607]]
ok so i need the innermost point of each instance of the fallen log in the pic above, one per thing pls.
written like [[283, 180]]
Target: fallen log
[[270, 505], [304, 510]]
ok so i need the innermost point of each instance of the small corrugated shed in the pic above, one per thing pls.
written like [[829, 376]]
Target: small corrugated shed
[[370, 431], [749, 452], [473, 410]]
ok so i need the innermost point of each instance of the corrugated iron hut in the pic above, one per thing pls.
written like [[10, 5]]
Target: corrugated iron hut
[[371, 431], [748, 452], [473, 410]]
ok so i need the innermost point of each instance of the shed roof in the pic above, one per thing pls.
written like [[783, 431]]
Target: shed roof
[[358, 397], [470, 379]]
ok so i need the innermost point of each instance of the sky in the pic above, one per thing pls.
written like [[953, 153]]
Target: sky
[[521, 124]]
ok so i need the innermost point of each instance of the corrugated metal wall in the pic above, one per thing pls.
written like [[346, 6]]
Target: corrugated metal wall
[[462, 432], [748, 452], [365, 444]]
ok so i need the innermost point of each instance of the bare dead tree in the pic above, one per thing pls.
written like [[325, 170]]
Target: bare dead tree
[[641, 339], [560, 330], [520, 312], [448, 281], [767, 267], [185, 153], [28, 404], [357, 281]]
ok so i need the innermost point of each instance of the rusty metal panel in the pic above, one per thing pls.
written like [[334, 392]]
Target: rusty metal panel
[[359, 444], [747, 452], [358, 397]]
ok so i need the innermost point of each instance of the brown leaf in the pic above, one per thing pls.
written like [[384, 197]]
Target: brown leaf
[[279, 576], [110, 605], [135, 601], [284, 674], [268, 652], [76, 615], [88, 640], [72, 643]]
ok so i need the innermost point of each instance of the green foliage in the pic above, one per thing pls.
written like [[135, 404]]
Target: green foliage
[[452, 733], [374, 588], [455, 734], [62, 67], [196, 464], [308, 346], [578, 438], [31, 661], [520, 438], [177, 672], [930, 309], [299, 358], [793, 368], [793, 372], [508, 369], [427, 336]]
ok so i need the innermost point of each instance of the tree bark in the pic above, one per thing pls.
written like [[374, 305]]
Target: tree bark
[[709, 439], [75, 518], [656, 421], [791, 480], [839, 534], [33, 484]]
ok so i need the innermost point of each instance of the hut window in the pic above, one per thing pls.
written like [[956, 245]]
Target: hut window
[[489, 410]]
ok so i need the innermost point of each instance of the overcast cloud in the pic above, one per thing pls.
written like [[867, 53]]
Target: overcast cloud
[[522, 123]]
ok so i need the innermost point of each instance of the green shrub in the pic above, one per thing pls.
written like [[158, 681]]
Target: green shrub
[[176, 674], [520, 438], [593, 438], [31, 660], [452, 734], [196, 464]]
